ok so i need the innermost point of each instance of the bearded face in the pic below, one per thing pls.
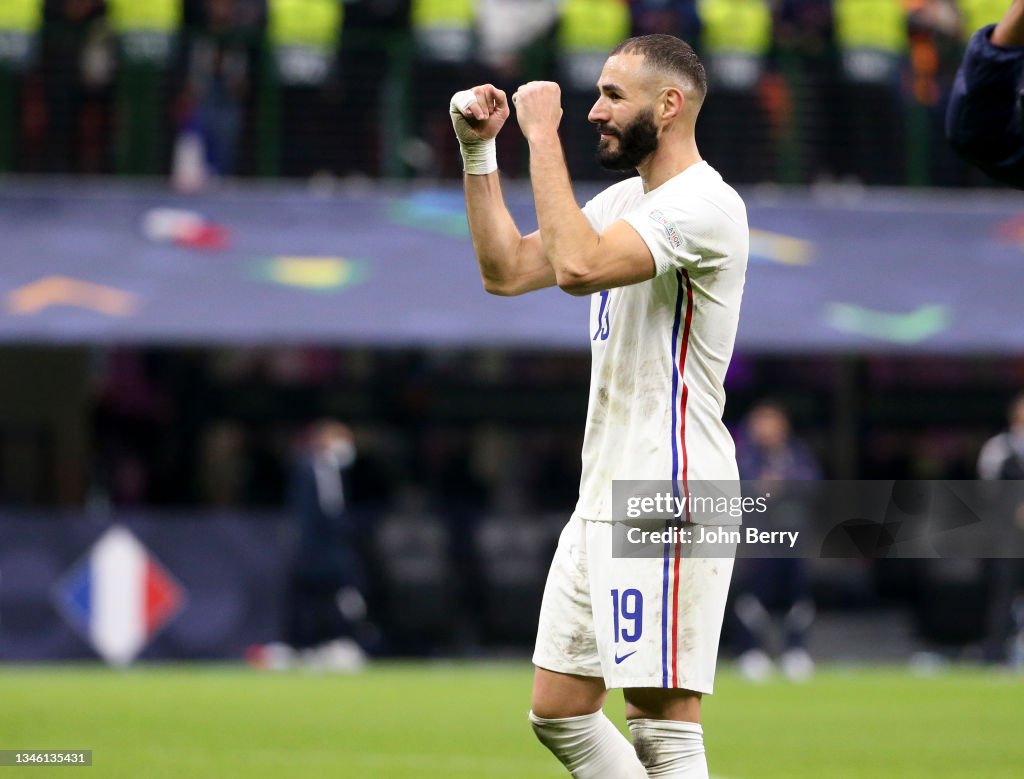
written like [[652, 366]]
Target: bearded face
[[628, 147]]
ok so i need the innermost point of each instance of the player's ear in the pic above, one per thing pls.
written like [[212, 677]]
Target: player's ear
[[670, 103]]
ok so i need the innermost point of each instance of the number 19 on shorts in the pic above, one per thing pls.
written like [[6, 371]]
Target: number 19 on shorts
[[627, 615]]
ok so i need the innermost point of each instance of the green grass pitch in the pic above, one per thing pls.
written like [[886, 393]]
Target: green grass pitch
[[448, 721]]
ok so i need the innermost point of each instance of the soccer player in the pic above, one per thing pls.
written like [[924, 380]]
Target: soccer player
[[663, 256], [985, 119], [1002, 457]]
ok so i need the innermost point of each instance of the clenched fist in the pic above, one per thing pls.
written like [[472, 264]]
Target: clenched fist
[[538, 107], [478, 114]]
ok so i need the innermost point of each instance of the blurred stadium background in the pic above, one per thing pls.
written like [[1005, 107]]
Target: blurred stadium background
[[225, 220]]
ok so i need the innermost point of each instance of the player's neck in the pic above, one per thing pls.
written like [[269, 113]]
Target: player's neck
[[667, 162]]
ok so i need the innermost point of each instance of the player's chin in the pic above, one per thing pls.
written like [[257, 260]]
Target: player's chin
[[610, 160]]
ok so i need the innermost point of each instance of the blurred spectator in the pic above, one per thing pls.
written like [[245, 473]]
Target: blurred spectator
[[373, 65], [147, 43], [77, 65], [325, 599], [667, 17], [806, 105], [769, 454], [735, 135], [1002, 457], [588, 30], [443, 41], [802, 90], [218, 65], [873, 45], [19, 29], [516, 36], [984, 120], [516, 44], [935, 48], [303, 38]]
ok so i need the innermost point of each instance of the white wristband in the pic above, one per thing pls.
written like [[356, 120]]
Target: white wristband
[[479, 158]]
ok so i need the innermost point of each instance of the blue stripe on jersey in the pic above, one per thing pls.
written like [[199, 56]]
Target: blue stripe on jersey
[[675, 471], [664, 612]]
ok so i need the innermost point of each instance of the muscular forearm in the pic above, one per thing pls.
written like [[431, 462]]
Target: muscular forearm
[[568, 237], [1010, 30], [507, 265], [492, 229]]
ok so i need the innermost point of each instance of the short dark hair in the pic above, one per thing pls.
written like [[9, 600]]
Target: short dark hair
[[668, 53]]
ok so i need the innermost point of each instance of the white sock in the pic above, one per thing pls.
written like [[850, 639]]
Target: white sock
[[670, 748], [590, 746]]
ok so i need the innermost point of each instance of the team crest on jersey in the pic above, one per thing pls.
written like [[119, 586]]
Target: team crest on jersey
[[670, 229]]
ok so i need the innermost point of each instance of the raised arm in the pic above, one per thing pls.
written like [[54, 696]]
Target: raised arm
[[584, 261], [1010, 30], [983, 119], [510, 263]]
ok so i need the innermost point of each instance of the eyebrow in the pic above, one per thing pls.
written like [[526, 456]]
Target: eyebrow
[[610, 88]]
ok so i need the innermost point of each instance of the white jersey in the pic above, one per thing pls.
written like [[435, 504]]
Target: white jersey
[[661, 347]]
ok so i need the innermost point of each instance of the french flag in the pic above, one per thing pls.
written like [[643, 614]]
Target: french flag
[[119, 596]]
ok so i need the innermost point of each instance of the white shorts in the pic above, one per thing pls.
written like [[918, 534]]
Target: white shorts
[[634, 622]]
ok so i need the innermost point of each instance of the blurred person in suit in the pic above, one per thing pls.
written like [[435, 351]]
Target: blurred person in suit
[[218, 62], [1002, 456], [768, 453], [325, 606]]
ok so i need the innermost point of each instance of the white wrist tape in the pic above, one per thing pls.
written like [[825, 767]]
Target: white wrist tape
[[479, 157]]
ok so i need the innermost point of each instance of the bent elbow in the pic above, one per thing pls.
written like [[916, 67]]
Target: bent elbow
[[576, 284], [499, 288], [576, 290]]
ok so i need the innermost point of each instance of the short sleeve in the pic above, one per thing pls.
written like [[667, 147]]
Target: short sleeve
[[591, 210], [596, 210], [692, 233], [606, 206]]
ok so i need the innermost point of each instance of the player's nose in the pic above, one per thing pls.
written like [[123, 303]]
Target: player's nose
[[599, 112]]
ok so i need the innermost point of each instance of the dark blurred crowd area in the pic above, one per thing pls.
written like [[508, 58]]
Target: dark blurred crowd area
[[493, 431], [802, 91], [467, 462], [490, 431]]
